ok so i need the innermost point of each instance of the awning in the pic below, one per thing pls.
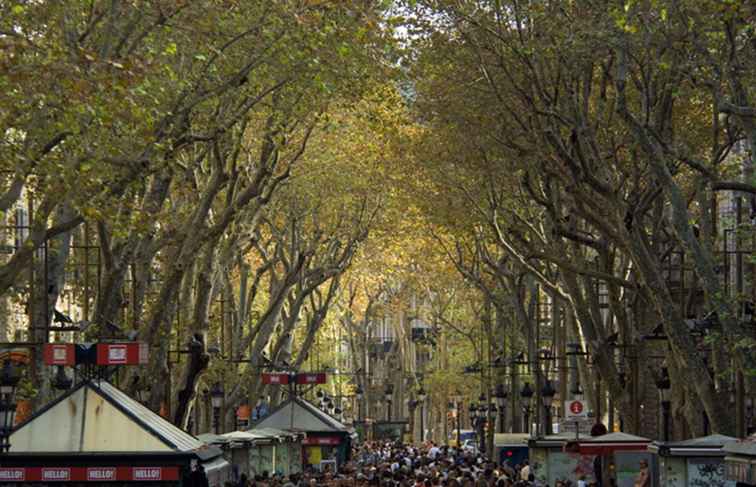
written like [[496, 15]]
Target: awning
[[322, 440], [611, 443]]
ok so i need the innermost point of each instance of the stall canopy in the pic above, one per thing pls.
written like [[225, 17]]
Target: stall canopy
[[96, 419], [612, 442], [299, 415], [696, 447]]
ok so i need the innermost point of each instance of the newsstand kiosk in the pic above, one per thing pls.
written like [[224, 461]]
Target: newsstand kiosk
[[95, 434]]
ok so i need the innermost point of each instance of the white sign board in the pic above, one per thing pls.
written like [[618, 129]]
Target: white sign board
[[575, 409]]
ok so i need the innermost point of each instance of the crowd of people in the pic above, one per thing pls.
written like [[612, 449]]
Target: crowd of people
[[385, 464]]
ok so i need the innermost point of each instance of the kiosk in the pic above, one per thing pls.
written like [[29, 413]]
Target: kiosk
[[95, 433], [740, 461], [325, 438], [550, 460], [620, 455], [694, 462]]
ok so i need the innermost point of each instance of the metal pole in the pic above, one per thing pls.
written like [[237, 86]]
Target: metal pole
[[459, 424], [526, 414], [665, 419], [422, 423], [482, 429]]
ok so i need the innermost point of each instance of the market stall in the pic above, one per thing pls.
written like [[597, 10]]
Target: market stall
[[96, 433], [692, 463], [550, 461], [326, 438], [621, 455], [740, 461]]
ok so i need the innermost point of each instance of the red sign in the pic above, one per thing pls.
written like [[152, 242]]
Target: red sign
[[311, 378], [89, 474], [12, 474], [280, 378], [576, 407], [101, 474], [322, 440], [55, 474], [122, 353], [59, 354], [148, 474]]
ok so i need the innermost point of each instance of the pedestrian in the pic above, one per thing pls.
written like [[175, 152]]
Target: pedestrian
[[643, 479]]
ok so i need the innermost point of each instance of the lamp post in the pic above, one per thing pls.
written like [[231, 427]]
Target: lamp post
[[8, 382], [457, 405], [359, 393], [526, 395], [501, 402], [216, 397], [664, 385], [482, 420], [421, 396], [474, 416], [61, 381], [547, 393], [389, 395]]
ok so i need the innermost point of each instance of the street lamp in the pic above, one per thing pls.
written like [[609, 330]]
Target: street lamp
[[8, 382], [501, 400], [359, 393], [526, 395], [482, 420], [389, 395], [547, 393], [664, 385], [216, 397], [457, 398], [421, 396], [61, 381]]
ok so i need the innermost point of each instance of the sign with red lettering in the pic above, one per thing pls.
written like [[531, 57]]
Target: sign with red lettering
[[89, 474], [122, 353], [279, 378], [59, 354], [319, 378], [322, 440]]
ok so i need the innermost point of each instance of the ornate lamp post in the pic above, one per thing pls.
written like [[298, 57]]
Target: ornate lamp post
[[482, 420], [389, 395], [501, 401], [359, 393], [547, 393], [216, 397], [421, 396], [457, 398], [8, 381], [61, 381], [526, 395], [664, 385]]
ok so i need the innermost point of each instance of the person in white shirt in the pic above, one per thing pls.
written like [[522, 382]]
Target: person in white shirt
[[525, 472]]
